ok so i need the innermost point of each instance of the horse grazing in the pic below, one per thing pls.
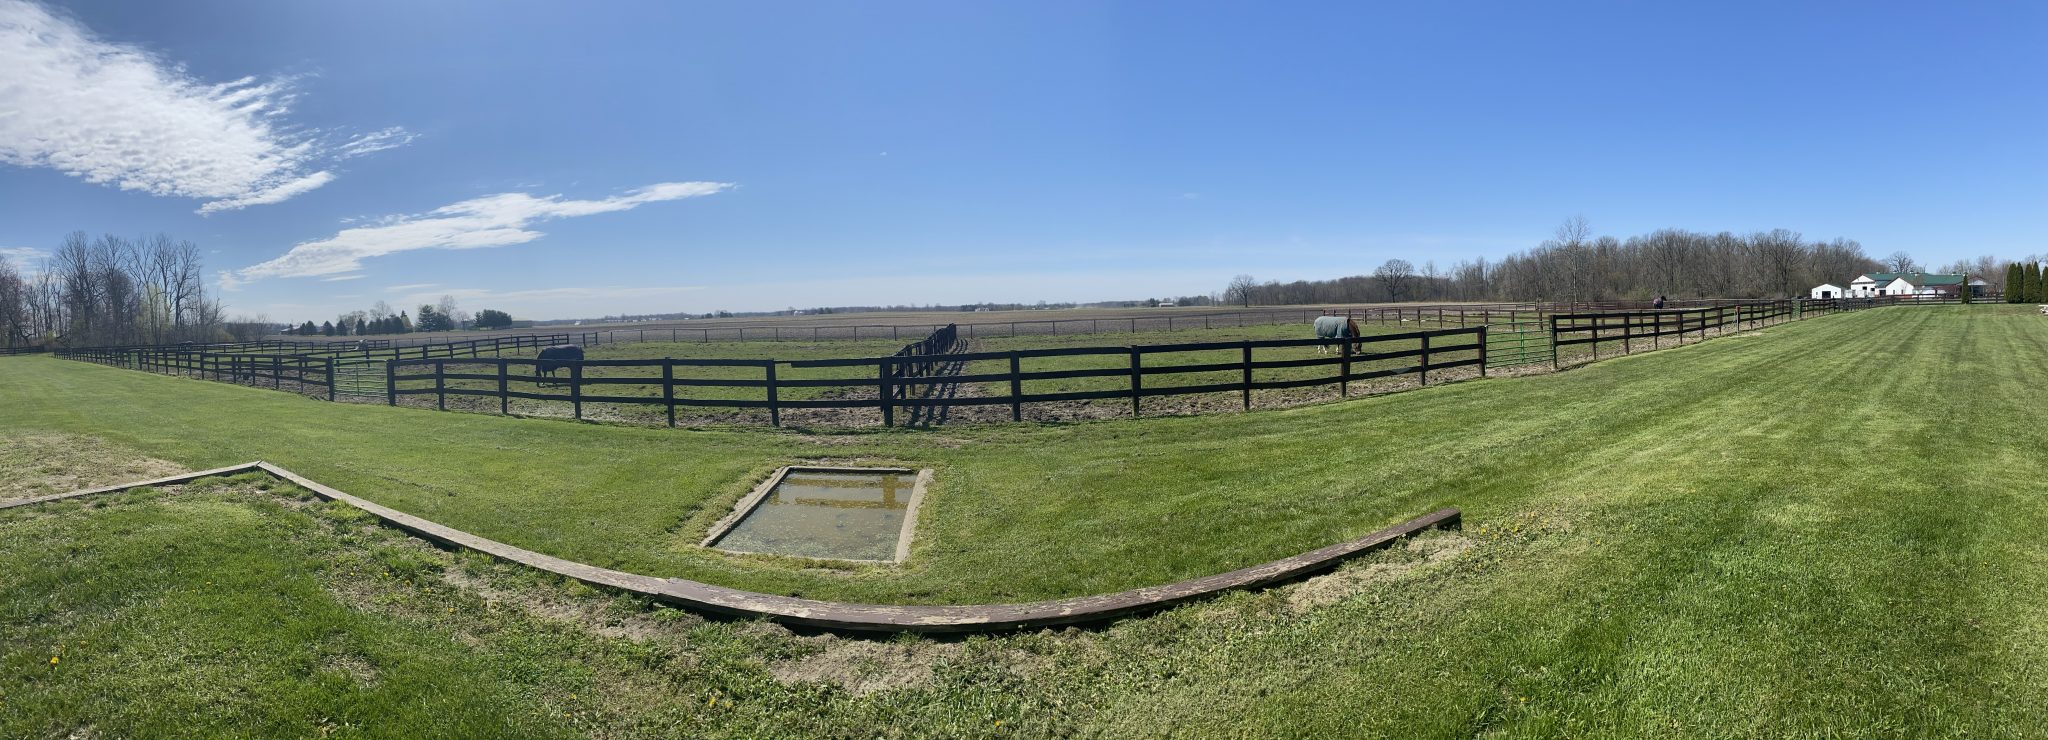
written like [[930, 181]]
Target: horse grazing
[[558, 357], [1333, 328]]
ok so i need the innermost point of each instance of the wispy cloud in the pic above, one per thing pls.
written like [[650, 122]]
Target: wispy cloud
[[491, 221], [413, 286], [339, 278], [116, 114], [580, 295], [23, 254], [375, 141]]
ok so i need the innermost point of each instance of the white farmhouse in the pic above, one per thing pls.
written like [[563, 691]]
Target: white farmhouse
[[1825, 290]]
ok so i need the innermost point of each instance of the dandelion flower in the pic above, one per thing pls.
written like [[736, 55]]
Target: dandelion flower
[[53, 660]]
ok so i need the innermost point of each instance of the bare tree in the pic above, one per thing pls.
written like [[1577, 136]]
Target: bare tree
[[1899, 261], [14, 300], [456, 316], [1574, 231], [1240, 290], [1778, 255], [1395, 277]]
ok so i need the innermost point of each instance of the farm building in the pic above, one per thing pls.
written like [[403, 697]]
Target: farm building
[[1825, 290], [1910, 283]]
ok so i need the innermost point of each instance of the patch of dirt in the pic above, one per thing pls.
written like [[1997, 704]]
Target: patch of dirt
[[43, 464], [1355, 578], [353, 665], [588, 617], [866, 666]]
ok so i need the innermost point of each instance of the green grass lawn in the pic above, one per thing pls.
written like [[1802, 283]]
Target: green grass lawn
[[1826, 527]]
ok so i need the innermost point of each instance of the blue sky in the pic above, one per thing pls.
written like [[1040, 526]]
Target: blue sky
[[595, 158]]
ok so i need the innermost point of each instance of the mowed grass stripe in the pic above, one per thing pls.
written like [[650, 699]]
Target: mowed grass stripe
[[1792, 533], [1018, 512]]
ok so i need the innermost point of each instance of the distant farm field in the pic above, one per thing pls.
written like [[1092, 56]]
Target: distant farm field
[[1826, 527]]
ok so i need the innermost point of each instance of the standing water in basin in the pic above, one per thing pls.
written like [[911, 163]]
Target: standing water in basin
[[827, 514]]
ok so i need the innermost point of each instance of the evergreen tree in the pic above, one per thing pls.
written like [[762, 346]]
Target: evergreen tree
[[2032, 278], [360, 326], [493, 319], [2012, 282], [404, 323], [327, 328], [308, 329]]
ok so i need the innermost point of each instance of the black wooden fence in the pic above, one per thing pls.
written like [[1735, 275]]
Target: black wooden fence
[[312, 372], [1634, 329], [913, 376], [898, 379]]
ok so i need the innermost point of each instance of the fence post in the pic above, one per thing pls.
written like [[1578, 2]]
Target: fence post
[[1137, 378], [1247, 372], [330, 379], [1553, 342], [276, 372], [1482, 350], [884, 393], [668, 388], [1344, 371], [440, 385], [504, 392], [1016, 387], [576, 388], [391, 381], [774, 398], [1425, 359]]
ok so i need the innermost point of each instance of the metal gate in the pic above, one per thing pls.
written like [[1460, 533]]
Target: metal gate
[[360, 378], [1517, 343]]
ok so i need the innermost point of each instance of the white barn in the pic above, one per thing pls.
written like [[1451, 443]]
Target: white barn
[[1907, 283], [1867, 285], [1825, 291]]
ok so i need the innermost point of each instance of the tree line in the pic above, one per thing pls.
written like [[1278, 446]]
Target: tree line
[[113, 290], [1575, 265], [378, 319]]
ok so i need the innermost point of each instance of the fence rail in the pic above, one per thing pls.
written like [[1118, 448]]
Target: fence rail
[[926, 377], [329, 370], [904, 380]]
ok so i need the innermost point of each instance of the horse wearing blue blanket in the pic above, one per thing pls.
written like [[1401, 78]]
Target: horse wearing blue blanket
[[1333, 328]]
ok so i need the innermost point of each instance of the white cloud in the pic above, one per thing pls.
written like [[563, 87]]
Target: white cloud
[[414, 286], [375, 141], [23, 255], [576, 296], [339, 278], [491, 221], [116, 114]]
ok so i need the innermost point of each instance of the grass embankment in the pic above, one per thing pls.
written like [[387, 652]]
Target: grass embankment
[[1827, 527]]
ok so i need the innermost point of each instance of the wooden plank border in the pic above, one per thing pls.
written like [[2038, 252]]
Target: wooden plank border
[[832, 614]]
